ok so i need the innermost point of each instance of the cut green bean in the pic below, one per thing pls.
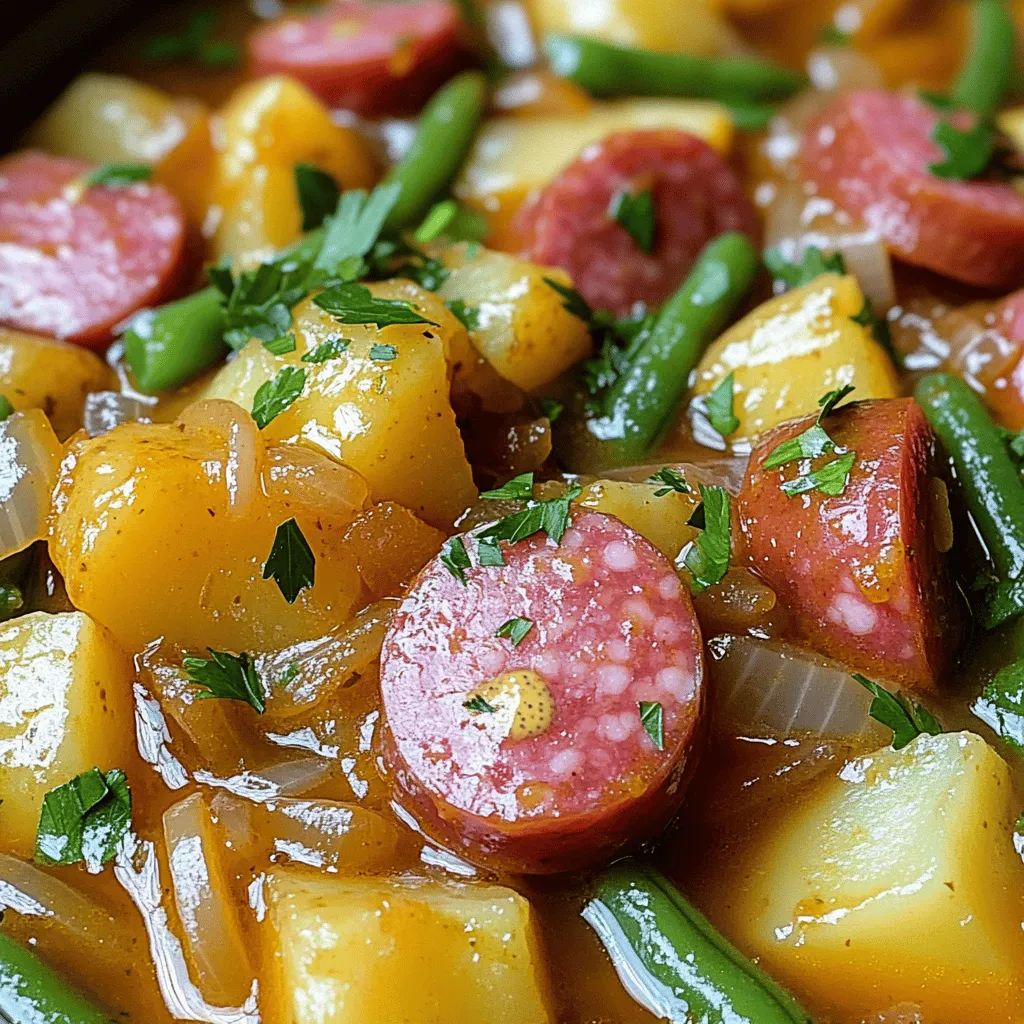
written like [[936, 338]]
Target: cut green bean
[[446, 130], [31, 993], [671, 959], [640, 402], [986, 73], [603, 69]]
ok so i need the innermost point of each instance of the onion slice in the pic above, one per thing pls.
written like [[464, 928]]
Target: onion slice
[[30, 458], [105, 410]]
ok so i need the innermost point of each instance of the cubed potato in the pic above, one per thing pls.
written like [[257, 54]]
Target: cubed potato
[[163, 530], [900, 877], [793, 349], [390, 420], [354, 950], [113, 119], [43, 373], [264, 130], [1011, 123], [65, 707], [524, 330]]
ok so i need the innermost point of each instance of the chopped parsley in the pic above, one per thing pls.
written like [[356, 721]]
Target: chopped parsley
[[469, 315], [455, 559], [550, 517], [356, 225], [814, 441], [967, 153], [551, 408], [118, 175], [572, 301], [318, 195], [195, 43], [813, 263], [291, 563], [519, 488], [479, 706], [85, 819], [907, 719], [281, 346], [707, 557], [672, 479], [515, 630], [352, 303], [1001, 705], [227, 676], [830, 479], [653, 720], [329, 349], [718, 405], [635, 213], [383, 353], [6, 409], [879, 327], [274, 396], [454, 221]]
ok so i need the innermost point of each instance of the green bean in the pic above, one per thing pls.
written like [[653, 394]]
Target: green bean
[[640, 402], [171, 344], [986, 73], [991, 483], [606, 70], [446, 130], [676, 964], [30, 993]]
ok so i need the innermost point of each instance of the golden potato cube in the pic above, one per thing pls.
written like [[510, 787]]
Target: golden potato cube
[[793, 349], [1011, 123], [65, 707], [354, 950], [900, 878]]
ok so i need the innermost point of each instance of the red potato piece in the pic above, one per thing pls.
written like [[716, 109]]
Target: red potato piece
[[373, 58], [869, 152], [75, 262], [697, 196], [568, 776], [861, 573]]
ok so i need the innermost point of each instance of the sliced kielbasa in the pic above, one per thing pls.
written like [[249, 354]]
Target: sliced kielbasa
[[863, 573], [869, 152], [373, 58], [696, 196], [75, 260], [534, 757]]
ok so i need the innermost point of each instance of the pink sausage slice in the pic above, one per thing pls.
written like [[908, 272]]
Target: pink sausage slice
[[533, 758], [863, 574], [870, 152]]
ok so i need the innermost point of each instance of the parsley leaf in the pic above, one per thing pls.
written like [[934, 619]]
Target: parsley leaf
[[479, 706], [967, 152], [228, 676], [85, 819], [329, 349], [455, 559], [636, 215], [1001, 705], [291, 563], [469, 315], [281, 346], [318, 195], [551, 408], [6, 409], [352, 303], [652, 719], [1016, 443], [515, 629], [573, 302], [274, 396], [454, 221], [719, 404], [550, 517], [195, 44], [831, 399], [354, 228], [118, 175], [813, 263], [830, 479], [879, 327], [672, 479], [707, 557], [814, 441], [907, 720], [383, 353], [519, 488]]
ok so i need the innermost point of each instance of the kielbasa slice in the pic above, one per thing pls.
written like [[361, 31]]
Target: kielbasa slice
[[561, 771], [862, 573], [373, 58], [696, 196], [869, 152], [74, 260]]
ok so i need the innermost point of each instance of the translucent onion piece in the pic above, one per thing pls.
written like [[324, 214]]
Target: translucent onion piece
[[760, 687], [30, 457], [289, 778], [137, 870], [152, 738], [213, 936], [307, 477], [105, 410], [509, 32]]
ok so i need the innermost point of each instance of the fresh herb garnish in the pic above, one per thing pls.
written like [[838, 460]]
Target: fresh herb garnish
[[519, 488], [469, 315], [281, 346], [6, 409], [672, 479], [813, 263], [479, 706], [454, 221], [967, 152], [652, 719], [227, 676], [879, 327], [551, 408], [719, 405], [356, 225], [318, 194], [550, 516], [1001, 704], [830, 479], [383, 353], [118, 175], [1016, 443], [707, 556], [329, 349], [635, 213], [291, 563], [814, 441], [85, 819], [515, 630], [907, 719], [455, 559], [195, 44], [573, 302], [274, 396], [353, 303]]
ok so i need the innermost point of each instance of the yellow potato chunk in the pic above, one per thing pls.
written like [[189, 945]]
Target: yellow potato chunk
[[900, 878], [163, 530], [354, 950], [264, 130], [1011, 123], [389, 419], [43, 373], [65, 707], [524, 330], [794, 348]]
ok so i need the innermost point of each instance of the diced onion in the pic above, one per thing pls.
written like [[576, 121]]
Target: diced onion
[[510, 33], [105, 410], [288, 778], [153, 739]]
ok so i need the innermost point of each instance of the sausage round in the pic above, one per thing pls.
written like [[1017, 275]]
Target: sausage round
[[696, 197], [74, 260], [869, 152], [373, 58], [560, 772], [863, 574]]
